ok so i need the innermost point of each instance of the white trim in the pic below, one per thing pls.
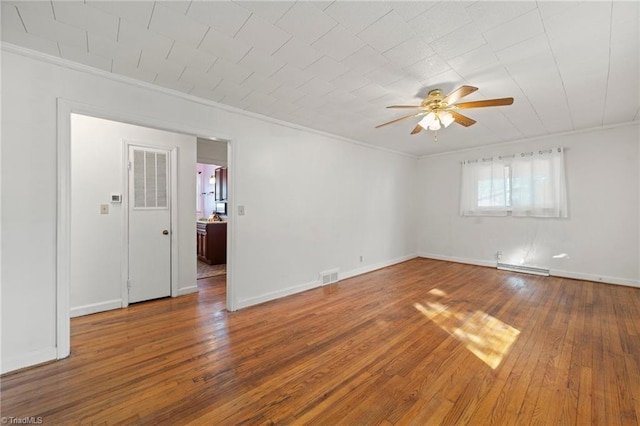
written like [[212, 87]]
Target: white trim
[[531, 139], [477, 262], [244, 303], [64, 110], [552, 272], [232, 298], [63, 229], [376, 266], [28, 360], [93, 308], [187, 290], [142, 84]]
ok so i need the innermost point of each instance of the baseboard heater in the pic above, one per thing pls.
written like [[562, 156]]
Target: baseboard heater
[[523, 269]]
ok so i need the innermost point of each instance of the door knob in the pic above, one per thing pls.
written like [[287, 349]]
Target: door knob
[[165, 232]]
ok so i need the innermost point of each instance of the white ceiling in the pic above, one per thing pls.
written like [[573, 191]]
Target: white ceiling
[[335, 66]]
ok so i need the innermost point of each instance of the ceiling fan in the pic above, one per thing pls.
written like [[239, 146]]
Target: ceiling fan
[[441, 110]]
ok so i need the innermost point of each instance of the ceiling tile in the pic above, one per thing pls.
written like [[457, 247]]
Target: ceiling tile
[[230, 71], [21, 38], [78, 14], [370, 92], [136, 12], [42, 26], [326, 68], [79, 54], [480, 58], [260, 33], [191, 57], [306, 22], [317, 87], [270, 11], [258, 61], [108, 48], [170, 83], [42, 8], [179, 6], [365, 60], [356, 16], [350, 81], [491, 14], [256, 101], [408, 52], [134, 36], [338, 43], [385, 75], [151, 62], [129, 68], [440, 20], [513, 32], [176, 26], [408, 10], [459, 42], [292, 76], [231, 89], [387, 32], [287, 94], [206, 93], [428, 67], [223, 46], [297, 53], [224, 17], [261, 83], [198, 78]]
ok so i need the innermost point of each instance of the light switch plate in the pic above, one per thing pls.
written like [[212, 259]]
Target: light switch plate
[[240, 210], [104, 208]]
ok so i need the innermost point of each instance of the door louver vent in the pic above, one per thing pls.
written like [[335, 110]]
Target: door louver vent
[[149, 179]]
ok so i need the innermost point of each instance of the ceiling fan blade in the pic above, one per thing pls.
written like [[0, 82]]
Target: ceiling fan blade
[[458, 94], [405, 106], [402, 118], [416, 129], [462, 119], [485, 103]]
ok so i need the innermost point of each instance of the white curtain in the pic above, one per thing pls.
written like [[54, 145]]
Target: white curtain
[[527, 184], [484, 188], [538, 185]]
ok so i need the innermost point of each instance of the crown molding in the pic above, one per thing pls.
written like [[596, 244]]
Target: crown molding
[[533, 139], [65, 63]]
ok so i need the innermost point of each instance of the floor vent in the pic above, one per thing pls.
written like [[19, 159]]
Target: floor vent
[[329, 277], [524, 269]]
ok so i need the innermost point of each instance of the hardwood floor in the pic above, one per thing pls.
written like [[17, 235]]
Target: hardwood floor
[[422, 342]]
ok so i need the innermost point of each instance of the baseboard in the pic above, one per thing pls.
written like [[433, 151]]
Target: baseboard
[[28, 360], [244, 303], [596, 278], [375, 266], [552, 272], [477, 262], [317, 283], [93, 308], [187, 290]]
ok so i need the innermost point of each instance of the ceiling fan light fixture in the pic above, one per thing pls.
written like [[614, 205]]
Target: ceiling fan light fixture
[[428, 120], [445, 118], [435, 125]]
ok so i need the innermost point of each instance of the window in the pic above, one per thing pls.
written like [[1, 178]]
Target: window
[[527, 184]]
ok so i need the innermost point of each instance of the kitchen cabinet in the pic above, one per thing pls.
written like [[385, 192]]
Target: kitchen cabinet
[[221, 184], [211, 240]]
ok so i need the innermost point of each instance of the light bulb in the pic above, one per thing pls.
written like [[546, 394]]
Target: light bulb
[[435, 125], [446, 118], [428, 120]]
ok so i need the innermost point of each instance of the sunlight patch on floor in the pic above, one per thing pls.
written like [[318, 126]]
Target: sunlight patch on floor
[[485, 336]]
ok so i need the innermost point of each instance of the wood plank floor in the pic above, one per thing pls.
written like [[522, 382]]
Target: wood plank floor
[[422, 342]]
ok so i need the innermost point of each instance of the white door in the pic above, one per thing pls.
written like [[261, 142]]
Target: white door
[[149, 224]]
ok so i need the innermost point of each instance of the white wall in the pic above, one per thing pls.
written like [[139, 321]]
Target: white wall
[[212, 152], [312, 201], [97, 245], [600, 238]]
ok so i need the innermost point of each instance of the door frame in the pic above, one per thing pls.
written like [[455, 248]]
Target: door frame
[[64, 109], [173, 216]]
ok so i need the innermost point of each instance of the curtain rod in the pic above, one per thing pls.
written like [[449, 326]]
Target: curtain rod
[[521, 154]]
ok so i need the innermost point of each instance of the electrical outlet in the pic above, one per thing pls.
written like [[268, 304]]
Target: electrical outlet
[[104, 208], [240, 210], [498, 255]]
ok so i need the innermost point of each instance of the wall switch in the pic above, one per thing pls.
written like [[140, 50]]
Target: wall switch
[[104, 208], [240, 210], [361, 258]]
